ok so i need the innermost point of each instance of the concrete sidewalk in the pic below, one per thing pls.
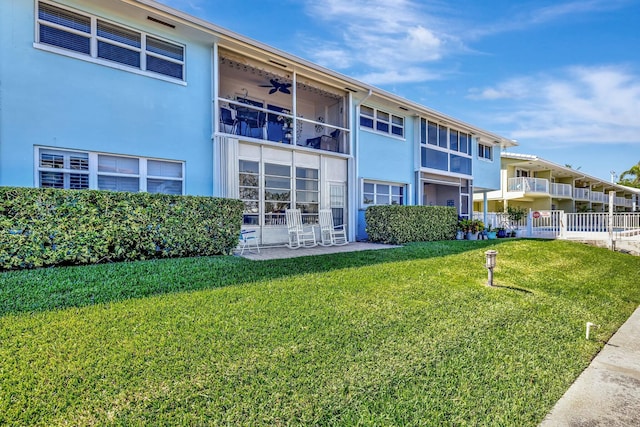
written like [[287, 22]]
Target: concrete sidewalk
[[607, 393]]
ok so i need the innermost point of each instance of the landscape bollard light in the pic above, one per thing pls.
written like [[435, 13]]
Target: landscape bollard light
[[491, 263]]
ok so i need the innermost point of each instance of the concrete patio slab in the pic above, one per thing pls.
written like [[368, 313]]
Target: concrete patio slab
[[277, 252]]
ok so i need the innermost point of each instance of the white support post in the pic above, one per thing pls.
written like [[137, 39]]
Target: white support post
[[485, 207], [612, 197]]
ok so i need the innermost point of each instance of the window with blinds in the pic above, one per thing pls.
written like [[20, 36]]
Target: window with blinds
[[164, 177], [85, 170], [117, 173], [76, 32], [59, 169]]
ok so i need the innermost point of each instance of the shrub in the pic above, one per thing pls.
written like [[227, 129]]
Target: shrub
[[401, 224], [516, 213], [43, 227]]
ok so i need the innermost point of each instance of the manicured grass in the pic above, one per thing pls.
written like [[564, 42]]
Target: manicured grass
[[409, 336]]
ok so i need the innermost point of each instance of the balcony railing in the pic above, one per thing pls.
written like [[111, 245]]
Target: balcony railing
[[250, 121], [623, 201], [528, 185], [581, 193], [561, 190], [540, 185], [597, 196]]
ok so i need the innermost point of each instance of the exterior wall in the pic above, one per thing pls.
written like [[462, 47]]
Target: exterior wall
[[564, 205], [383, 159], [486, 173], [53, 100]]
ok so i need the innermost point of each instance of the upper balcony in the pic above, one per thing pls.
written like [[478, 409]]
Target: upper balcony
[[263, 103], [539, 187], [528, 185], [561, 190], [598, 197], [581, 193]]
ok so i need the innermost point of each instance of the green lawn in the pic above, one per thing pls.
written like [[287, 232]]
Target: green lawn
[[406, 336]]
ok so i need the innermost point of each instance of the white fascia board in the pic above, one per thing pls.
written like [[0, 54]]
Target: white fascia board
[[576, 173]]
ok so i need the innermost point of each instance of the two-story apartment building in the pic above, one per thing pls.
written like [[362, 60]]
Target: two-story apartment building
[[131, 95], [530, 182]]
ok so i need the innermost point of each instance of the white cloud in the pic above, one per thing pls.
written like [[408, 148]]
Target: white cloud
[[561, 10], [580, 104], [407, 75], [517, 88], [528, 18], [386, 39], [389, 41]]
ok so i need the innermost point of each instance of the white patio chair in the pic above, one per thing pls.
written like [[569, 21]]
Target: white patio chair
[[247, 239], [330, 234], [300, 235]]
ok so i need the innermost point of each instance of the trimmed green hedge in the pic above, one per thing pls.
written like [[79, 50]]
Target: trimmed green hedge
[[44, 227], [401, 224]]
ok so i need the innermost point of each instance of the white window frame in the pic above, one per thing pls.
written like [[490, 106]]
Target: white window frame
[[446, 130], [142, 176], [306, 191], [378, 117], [73, 164], [308, 218], [94, 38], [257, 188], [375, 193], [481, 151], [263, 191]]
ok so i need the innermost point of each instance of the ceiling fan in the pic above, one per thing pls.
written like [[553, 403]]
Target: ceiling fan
[[277, 86]]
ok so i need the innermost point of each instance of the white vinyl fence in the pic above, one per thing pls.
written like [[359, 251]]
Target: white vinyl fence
[[602, 226], [554, 224]]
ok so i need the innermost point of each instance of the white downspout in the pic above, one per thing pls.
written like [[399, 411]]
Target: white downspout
[[215, 83]]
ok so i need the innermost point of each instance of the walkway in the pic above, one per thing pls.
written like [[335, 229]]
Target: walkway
[[277, 252], [607, 393]]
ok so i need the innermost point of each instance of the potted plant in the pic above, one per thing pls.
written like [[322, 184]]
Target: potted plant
[[501, 232], [459, 233], [473, 226], [491, 233], [464, 225]]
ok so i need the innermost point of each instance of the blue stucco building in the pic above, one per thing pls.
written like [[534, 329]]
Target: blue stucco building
[[136, 96]]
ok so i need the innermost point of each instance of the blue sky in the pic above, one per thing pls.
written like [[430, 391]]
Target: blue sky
[[560, 77]]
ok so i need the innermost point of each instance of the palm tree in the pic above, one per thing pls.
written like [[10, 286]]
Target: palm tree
[[633, 175]]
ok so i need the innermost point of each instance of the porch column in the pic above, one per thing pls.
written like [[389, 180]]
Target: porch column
[[612, 197], [485, 207]]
